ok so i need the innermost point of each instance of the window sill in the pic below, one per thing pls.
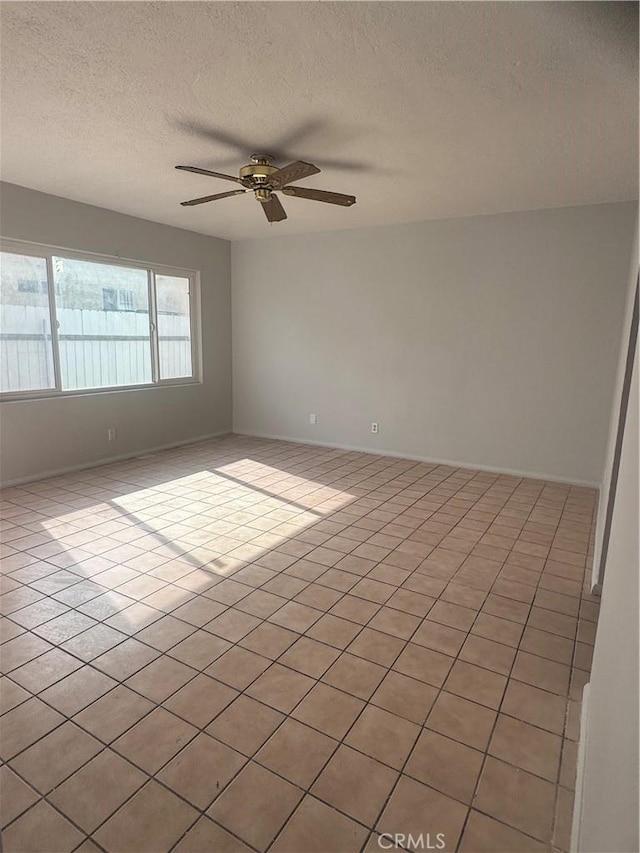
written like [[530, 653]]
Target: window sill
[[30, 396]]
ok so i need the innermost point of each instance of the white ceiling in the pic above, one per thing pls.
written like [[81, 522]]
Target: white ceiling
[[422, 110]]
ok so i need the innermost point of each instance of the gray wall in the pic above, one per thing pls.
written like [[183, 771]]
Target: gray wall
[[490, 340], [603, 502], [608, 806], [51, 434]]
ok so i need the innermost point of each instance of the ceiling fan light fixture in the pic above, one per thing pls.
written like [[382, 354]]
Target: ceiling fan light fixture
[[256, 173]]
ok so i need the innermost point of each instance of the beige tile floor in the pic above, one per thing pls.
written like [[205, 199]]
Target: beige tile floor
[[254, 645]]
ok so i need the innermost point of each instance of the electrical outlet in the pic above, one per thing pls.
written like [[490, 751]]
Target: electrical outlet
[[374, 427], [111, 434], [313, 419]]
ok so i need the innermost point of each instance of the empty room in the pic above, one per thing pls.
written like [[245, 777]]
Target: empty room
[[320, 506]]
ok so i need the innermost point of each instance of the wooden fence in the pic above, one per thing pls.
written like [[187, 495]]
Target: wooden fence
[[98, 349]]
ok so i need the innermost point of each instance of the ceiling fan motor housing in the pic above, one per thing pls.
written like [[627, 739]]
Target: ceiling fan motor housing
[[256, 174]]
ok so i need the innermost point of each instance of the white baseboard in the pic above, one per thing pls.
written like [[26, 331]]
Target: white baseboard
[[575, 845], [473, 466], [453, 463], [96, 463]]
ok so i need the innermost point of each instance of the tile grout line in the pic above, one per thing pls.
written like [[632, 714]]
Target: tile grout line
[[486, 751], [345, 593]]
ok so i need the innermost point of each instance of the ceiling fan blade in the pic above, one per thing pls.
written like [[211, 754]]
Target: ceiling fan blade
[[273, 210], [211, 198], [293, 172], [320, 195], [207, 172]]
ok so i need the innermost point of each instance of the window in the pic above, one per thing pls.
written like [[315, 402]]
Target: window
[[101, 349], [174, 328], [125, 300], [116, 300], [72, 323], [26, 348], [109, 298], [32, 285]]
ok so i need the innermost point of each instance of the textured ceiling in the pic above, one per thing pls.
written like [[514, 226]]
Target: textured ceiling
[[422, 110]]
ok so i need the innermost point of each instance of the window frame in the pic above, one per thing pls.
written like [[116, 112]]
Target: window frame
[[47, 253]]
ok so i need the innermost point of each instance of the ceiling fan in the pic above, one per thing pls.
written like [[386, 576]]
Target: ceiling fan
[[263, 179]]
